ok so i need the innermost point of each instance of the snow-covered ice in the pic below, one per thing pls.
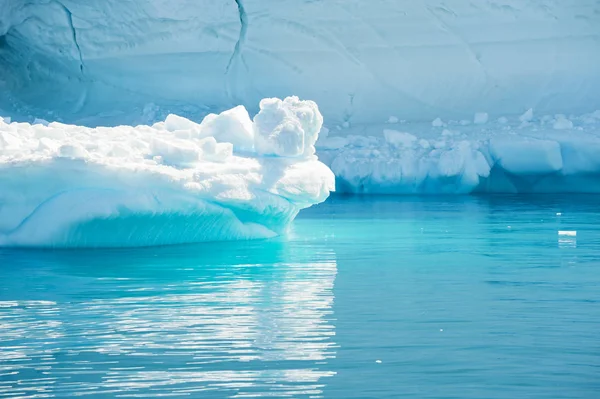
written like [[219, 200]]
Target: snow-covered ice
[[176, 181], [552, 154]]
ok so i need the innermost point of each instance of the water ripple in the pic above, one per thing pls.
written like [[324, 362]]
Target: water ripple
[[156, 332]]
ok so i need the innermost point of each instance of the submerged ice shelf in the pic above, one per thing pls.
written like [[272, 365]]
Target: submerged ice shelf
[[176, 181], [526, 154]]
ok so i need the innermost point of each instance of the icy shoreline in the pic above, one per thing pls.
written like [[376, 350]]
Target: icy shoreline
[[176, 181]]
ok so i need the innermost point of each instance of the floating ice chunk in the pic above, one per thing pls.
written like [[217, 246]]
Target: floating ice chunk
[[527, 116], [503, 120], [567, 239], [393, 119], [561, 123], [464, 122], [72, 186], [568, 233], [480, 118], [399, 139], [437, 122]]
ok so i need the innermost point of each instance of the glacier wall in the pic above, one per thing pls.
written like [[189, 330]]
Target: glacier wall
[[112, 61], [420, 96]]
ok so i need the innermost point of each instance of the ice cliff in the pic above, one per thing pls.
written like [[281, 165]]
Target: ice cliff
[[361, 61]]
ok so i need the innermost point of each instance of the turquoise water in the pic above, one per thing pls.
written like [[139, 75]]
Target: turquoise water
[[366, 298]]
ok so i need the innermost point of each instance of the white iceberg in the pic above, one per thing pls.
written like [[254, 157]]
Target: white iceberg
[[174, 182]]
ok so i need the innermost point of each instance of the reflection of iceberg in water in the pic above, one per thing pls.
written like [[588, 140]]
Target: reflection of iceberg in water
[[203, 326]]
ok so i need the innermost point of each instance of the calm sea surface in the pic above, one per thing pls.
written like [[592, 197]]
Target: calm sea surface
[[465, 297]]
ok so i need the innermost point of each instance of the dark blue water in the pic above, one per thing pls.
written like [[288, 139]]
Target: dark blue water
[[376, 298]]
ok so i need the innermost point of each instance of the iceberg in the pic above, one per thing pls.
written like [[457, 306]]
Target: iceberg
[[176, 181]]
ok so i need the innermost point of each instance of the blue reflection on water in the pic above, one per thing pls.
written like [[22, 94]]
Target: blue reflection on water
[[460, 297]]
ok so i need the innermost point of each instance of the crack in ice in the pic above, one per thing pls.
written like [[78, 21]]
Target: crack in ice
[[69, 15], [237, 51]]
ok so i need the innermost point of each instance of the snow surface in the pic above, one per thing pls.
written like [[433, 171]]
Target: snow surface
[[176, 181], [113, 61], [523, 155]]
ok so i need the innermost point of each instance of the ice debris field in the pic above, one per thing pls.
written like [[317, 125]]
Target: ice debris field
[[524, 154], [176, 181]]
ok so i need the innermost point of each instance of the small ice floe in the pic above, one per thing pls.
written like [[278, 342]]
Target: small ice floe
[[393, 119], [562, 123], [378, 361], [567, 239], [480, 118], [527, 116], [567, 233], [437, 122], [558, 214]]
